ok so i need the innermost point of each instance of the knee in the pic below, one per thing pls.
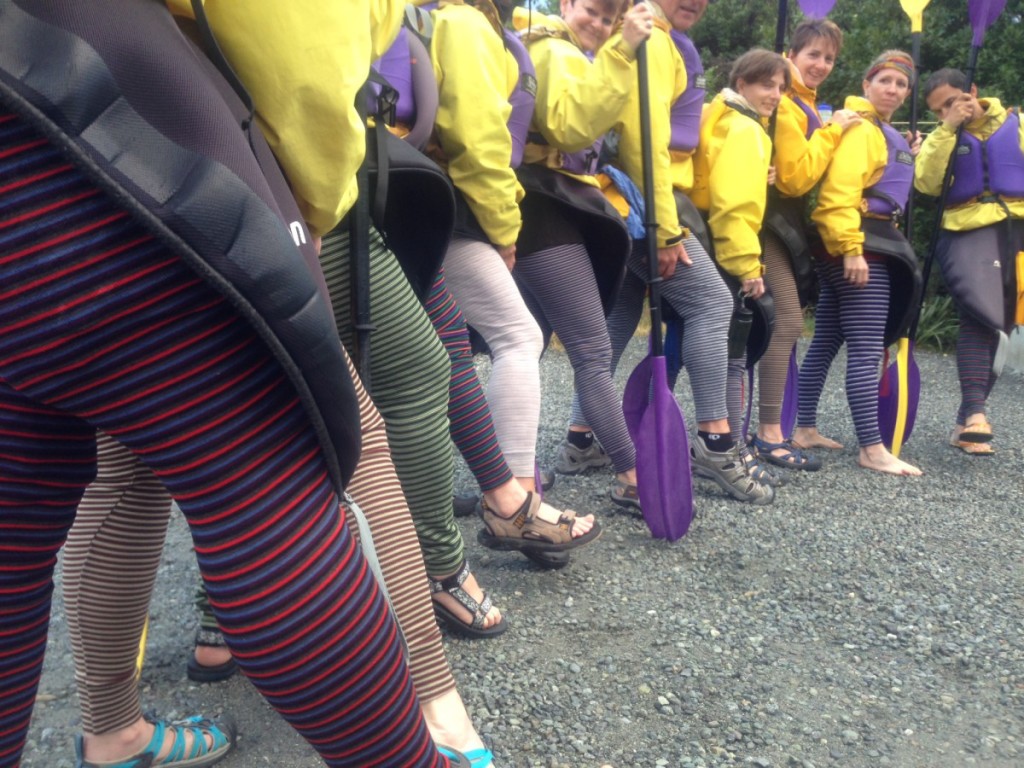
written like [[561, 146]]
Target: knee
[[521, 338]]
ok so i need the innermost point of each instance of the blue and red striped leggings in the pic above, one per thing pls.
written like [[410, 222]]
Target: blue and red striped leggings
[[102, 328]]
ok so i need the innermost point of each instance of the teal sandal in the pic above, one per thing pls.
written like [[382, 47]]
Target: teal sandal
[[181, 755], [478, 758]]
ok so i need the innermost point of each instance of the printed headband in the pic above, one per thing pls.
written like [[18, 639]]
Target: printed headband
[[892, 60]]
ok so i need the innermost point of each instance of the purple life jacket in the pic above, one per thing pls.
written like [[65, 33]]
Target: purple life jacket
[[523, 97], [813, 120], [685, 114], [396, 67], [889, 195], [995, 165]]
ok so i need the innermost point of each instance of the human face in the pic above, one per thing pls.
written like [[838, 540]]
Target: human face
[[941, 100], [683, 14], [590, 22], [763, 96], [814, 61], [887, 91]]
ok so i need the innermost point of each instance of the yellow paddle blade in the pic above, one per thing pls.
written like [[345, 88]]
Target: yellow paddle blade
[[902, 398], [142, 650], [915, 10]]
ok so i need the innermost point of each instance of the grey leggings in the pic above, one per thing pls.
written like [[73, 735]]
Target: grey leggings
[[561, 280], [700, 297]]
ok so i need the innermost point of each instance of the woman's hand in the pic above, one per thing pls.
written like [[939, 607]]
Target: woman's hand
[[753, 287], [508, 255], [637, 24], [772, 175], [669, 256], [844, 118], [855, 270]]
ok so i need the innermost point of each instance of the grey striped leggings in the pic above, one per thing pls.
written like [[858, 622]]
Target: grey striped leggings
[[698, 295], [561, 281]]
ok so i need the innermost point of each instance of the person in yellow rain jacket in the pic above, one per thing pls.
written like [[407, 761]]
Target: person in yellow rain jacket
[[804, 144], [731, 175], [485, 91], [693, 289], [867, 272], [574, 245], [981, 248]]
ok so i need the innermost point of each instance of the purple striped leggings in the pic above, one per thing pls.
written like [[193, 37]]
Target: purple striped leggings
[[856, 317], [102, 328]]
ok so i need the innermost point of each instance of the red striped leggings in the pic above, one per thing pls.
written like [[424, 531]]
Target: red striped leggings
[[114, 547], [102, 328]]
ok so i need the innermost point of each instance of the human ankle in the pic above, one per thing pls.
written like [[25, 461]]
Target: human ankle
[[449, 723], [114, 746], [717, 442]]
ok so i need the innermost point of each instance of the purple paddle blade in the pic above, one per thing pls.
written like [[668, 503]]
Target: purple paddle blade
[[889, 397], [656, 424], [816, 9], [790, 397], [982, 14]]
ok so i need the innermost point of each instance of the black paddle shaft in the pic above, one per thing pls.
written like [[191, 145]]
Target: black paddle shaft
[[650, 224]]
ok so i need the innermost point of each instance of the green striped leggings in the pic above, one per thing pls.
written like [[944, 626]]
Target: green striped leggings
[[410, 373]]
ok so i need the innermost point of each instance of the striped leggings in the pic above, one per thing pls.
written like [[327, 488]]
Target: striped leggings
[[472, 425], [102, 328], [698, 295], [410, 374], [773, 366], [975, 352], [561, 281], [492, 304], [116, 541], [857, 317]]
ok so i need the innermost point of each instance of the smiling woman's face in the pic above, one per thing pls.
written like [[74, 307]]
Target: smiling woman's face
[[590, 20], [815, 61]]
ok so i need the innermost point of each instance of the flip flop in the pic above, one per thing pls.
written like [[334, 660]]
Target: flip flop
[[977, 433]]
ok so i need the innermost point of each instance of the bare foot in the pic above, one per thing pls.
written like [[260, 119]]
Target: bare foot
[[129, 741], [810, 437], [580, 525], [878, 458], [474, 591], [449, 723], [504, 508], [212, 655]]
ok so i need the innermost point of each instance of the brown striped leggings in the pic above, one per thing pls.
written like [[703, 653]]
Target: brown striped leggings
[[114, 547], [789, 324]]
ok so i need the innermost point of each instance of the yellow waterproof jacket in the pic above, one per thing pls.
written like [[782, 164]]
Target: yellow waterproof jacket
[[577, 101], [800, 162], [475, 77], [667, 78], [930, 167], [303, 62], [730, 183], [858, 163]]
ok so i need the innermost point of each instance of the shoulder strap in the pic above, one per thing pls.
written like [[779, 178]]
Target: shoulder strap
[[216, 55]]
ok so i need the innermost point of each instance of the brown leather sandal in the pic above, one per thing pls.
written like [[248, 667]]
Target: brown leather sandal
[[525, 530]]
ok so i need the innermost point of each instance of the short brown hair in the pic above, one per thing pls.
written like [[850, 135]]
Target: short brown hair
[[810, 29], [759, 66]]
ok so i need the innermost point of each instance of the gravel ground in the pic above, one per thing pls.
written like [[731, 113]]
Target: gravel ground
[[859, 621]]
